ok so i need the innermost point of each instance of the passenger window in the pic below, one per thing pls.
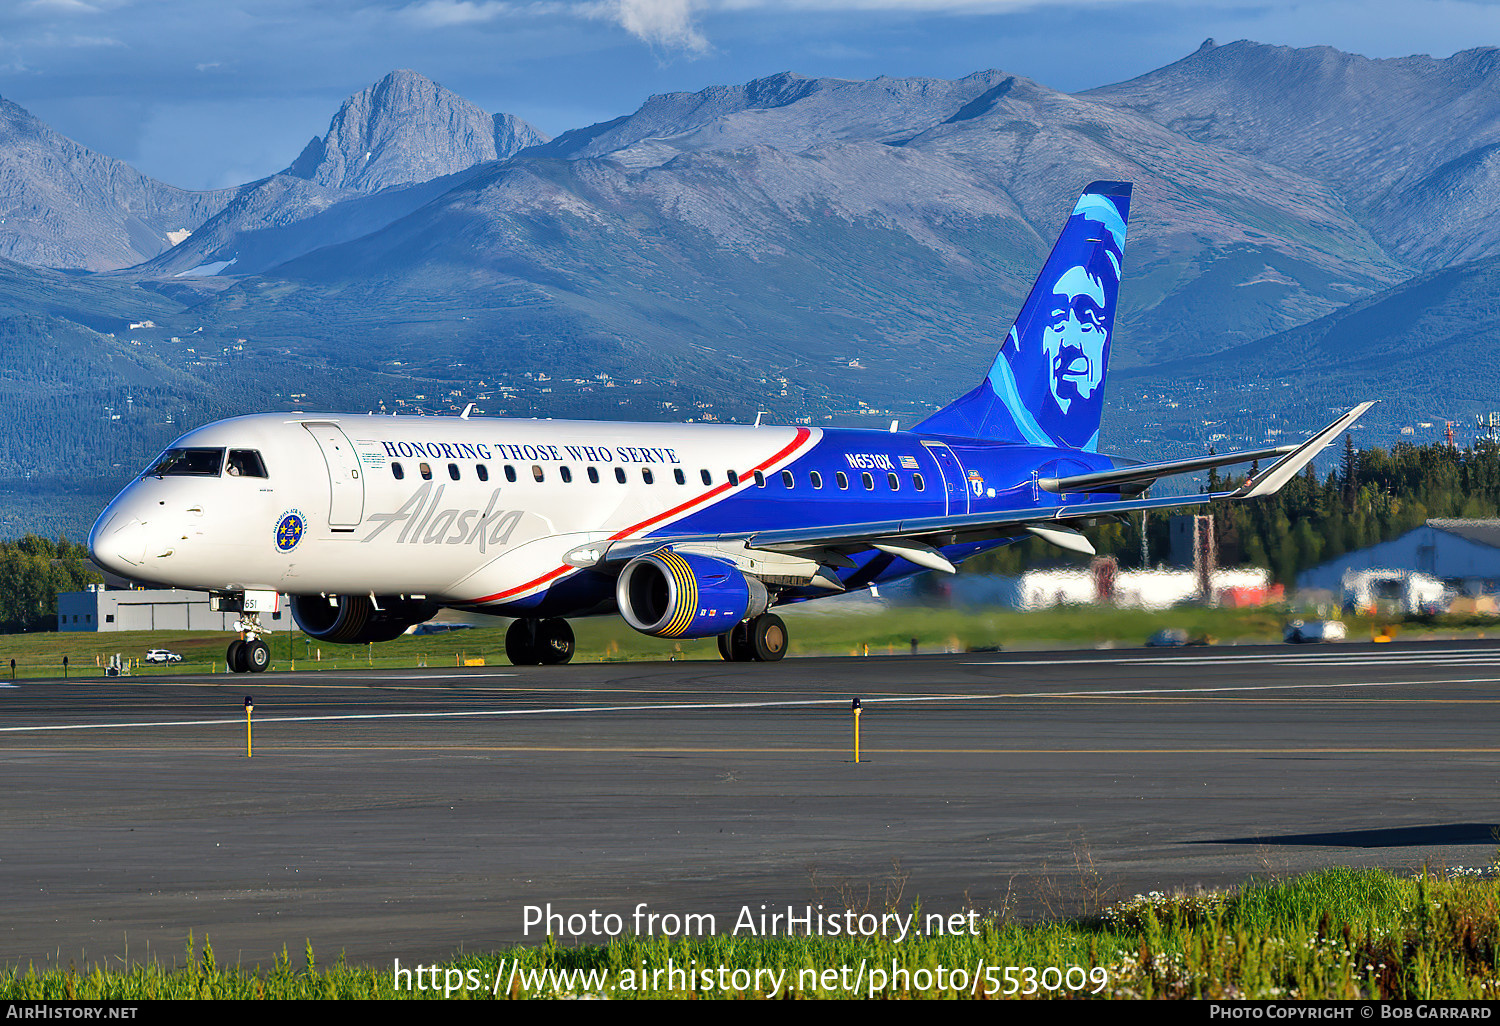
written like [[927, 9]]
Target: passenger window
[[397, 472], [707, 477], [482, 471], [567, 474], [760, 479], [678, 475], [817, 479], [510, 473], [868, 482], [787, 479], [593, 475], [895, 482], [620, 474], [918, 483], [536, 473], [842, 479], [425, 471], [646, 475], [453, 471], [734, 478], [245, 463]]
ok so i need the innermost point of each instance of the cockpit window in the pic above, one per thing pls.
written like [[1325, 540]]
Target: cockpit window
[[188, 463], [245, 463]]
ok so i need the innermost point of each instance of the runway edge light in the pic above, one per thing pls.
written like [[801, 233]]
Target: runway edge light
[[855, 707]]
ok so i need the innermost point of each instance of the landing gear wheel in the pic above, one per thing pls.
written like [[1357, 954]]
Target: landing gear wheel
[[738, 646], [235, 657], [521, 646], [554, 642], [768, 636], [256, 655]]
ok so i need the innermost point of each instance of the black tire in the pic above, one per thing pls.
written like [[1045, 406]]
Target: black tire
[[235, 657], [769, 638], [521, 644], [257, 656], [725, 651], [742, 642], [554, 642]]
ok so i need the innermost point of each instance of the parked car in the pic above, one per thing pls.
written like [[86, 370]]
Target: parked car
[[162, 655], [1300, 632]]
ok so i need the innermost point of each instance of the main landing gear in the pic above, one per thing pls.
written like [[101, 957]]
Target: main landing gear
[[761, 639], [539, 642], [250, 655]]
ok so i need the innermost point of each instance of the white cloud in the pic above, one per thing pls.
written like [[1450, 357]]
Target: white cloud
[[61, 6], [664, 23], [443, 13]]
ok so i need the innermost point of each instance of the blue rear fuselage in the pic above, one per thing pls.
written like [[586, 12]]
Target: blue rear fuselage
[[853, 476]]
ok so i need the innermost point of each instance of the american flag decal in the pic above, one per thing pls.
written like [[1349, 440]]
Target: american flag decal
[[909, 462]]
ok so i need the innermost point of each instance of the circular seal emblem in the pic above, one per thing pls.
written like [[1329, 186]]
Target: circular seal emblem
[[289, 530]]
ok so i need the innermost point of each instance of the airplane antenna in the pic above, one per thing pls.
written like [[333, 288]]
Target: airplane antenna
[[759, 414], [893, 426], [467, 410]]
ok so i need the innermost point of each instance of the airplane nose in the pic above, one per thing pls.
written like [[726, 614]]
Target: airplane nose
[[118, 542]]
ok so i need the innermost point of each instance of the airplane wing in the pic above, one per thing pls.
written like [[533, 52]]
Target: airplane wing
[[1137, 477], [918, 539]]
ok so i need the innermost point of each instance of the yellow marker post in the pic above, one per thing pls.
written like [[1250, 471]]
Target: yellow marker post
[[856, 730], [249, 708]]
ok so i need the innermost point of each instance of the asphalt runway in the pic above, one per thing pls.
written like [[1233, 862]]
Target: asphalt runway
[[412, 814]]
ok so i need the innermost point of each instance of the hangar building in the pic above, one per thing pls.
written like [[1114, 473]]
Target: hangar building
[[1463, 554], [139, 609]]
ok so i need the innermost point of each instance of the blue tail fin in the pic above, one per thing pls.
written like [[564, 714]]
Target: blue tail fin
[[1046, 386]]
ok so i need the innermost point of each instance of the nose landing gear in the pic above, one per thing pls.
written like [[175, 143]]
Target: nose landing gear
[[250, 655]]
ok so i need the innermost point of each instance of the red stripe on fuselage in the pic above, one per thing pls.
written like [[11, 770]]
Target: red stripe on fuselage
[[803, 434]]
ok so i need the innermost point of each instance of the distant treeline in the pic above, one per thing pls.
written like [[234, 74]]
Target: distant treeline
[[1370, 497], [32, 571]]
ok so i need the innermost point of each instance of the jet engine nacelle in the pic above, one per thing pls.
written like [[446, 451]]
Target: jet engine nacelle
[[682, 595], [355, 620]]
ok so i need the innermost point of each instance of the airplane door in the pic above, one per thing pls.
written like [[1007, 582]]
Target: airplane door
[[346, 504], [955, 485]]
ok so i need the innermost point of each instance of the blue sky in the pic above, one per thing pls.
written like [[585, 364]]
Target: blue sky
[[210, 93]]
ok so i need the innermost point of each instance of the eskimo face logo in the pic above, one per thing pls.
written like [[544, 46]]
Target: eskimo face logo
[[1051, 373], [289, 530], [1074, 336]]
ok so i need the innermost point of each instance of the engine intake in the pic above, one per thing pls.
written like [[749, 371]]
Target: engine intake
[[354, 620], [681, 595]]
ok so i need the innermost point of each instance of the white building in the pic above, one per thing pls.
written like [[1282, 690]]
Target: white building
[[1463, 554], [166, 609]]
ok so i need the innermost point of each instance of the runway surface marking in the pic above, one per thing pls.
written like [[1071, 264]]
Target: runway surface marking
[[715, 706], [285, 748], [1480, 656]]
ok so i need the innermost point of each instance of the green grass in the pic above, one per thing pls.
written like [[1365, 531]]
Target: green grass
[[1336, 934], [608, 639], [814, 631]]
